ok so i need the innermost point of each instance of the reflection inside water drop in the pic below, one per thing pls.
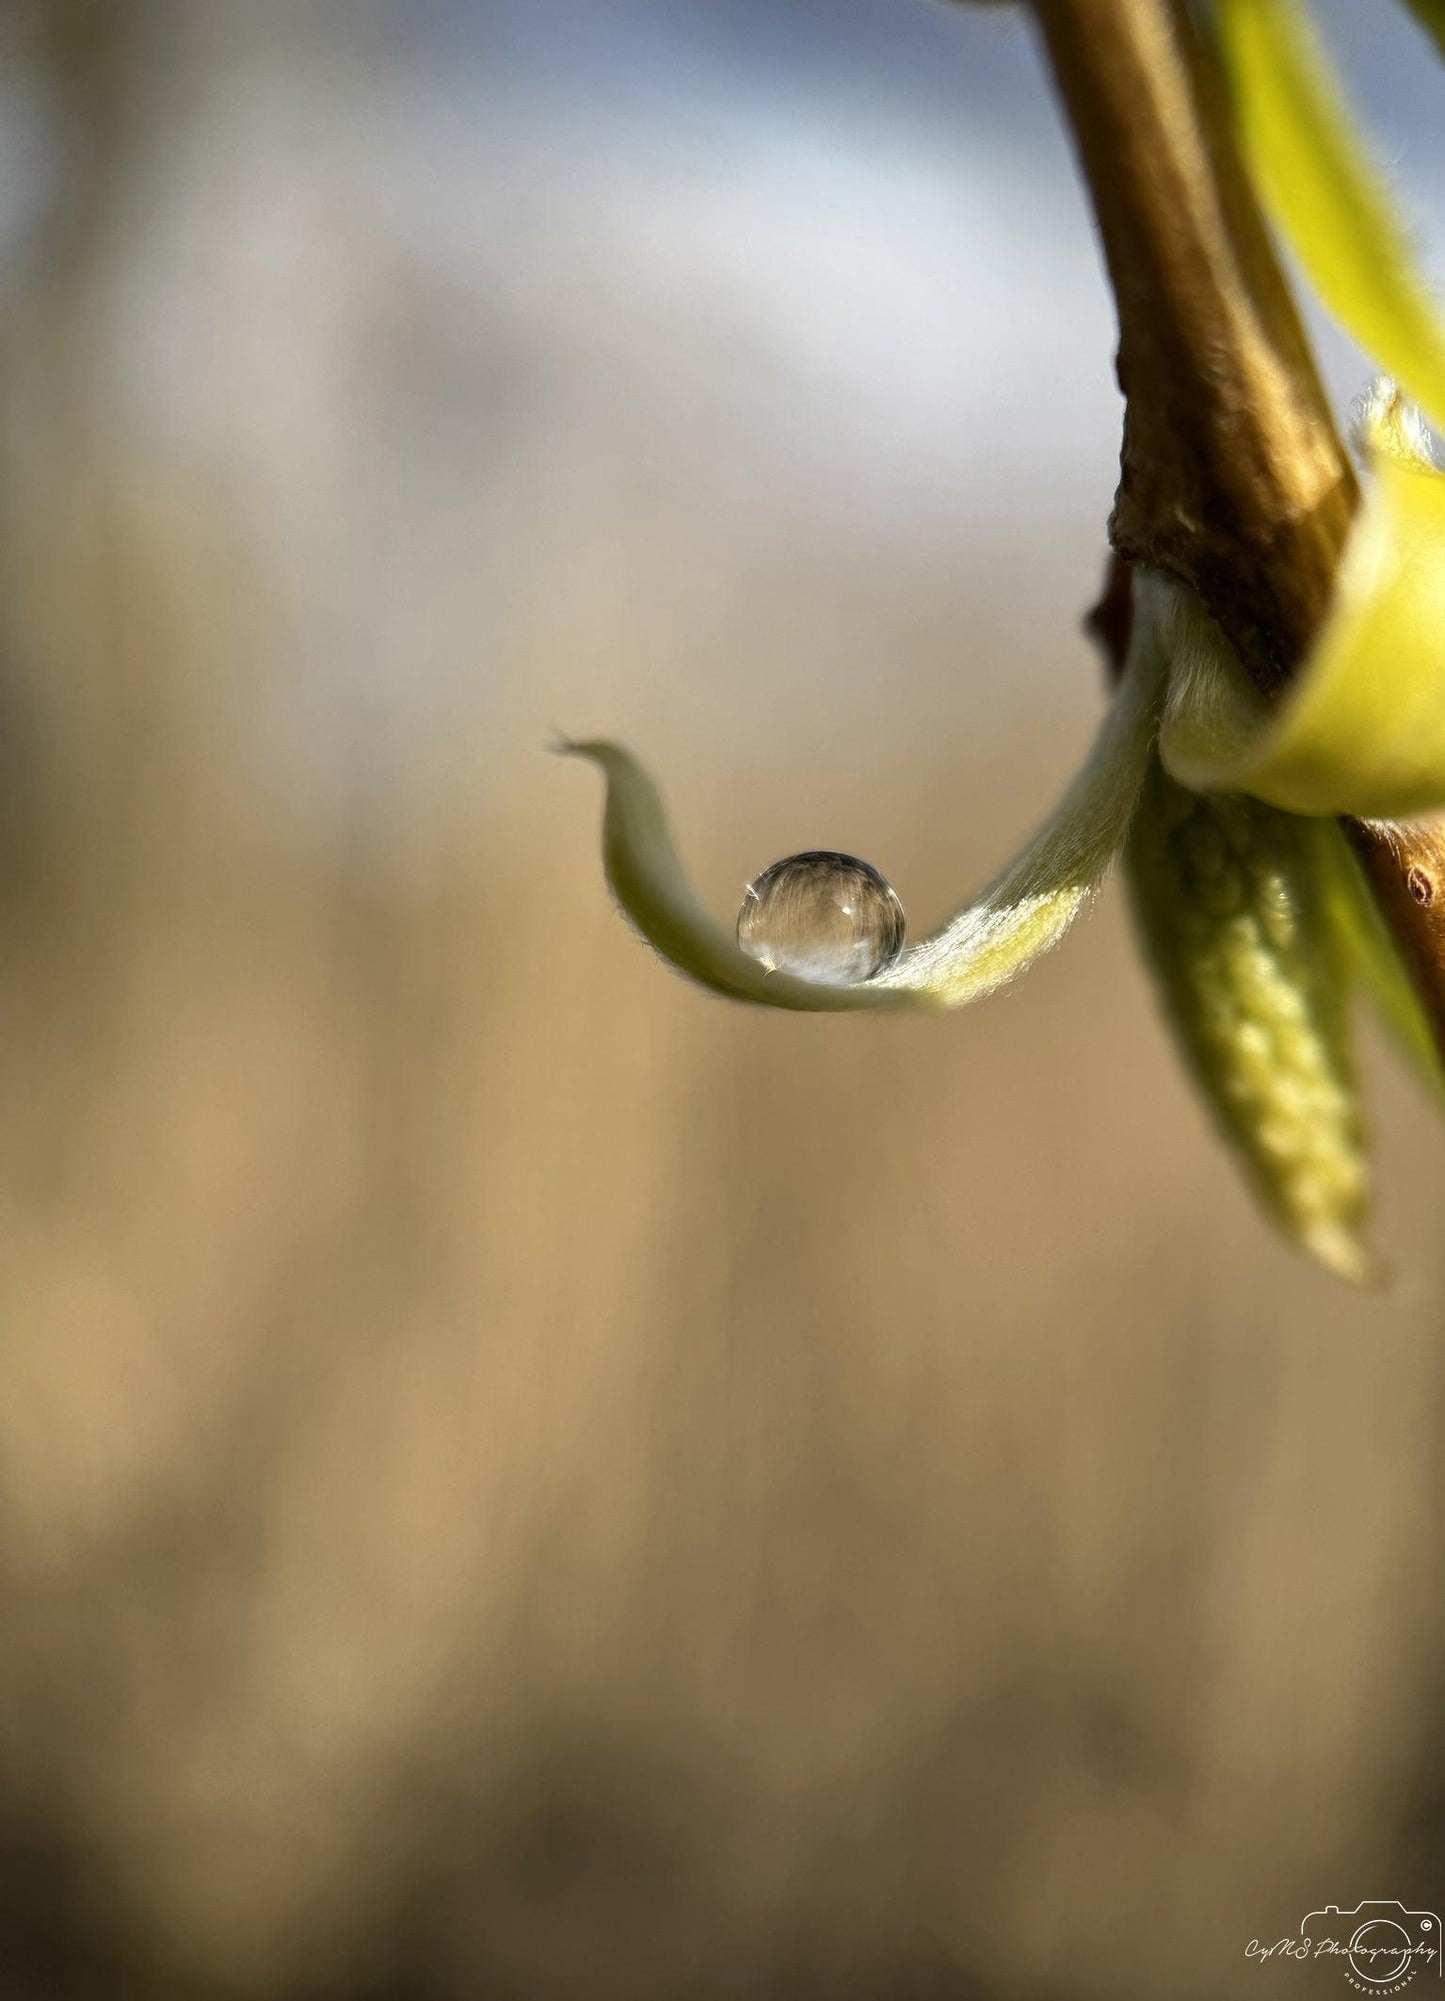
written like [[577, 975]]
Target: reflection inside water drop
[[822, 916]]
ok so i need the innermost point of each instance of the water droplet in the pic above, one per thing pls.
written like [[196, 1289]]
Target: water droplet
[[822, 916]]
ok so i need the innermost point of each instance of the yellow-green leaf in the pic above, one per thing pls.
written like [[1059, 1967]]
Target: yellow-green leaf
[[1326, 194], [1025, 911], [1363, 730]]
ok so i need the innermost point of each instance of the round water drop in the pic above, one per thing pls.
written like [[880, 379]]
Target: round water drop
[[822, 916]]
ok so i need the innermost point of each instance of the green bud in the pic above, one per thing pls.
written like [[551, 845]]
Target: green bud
[[1231, 899]]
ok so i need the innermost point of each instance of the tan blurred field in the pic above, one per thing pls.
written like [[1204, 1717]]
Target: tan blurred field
[[522, 1480]]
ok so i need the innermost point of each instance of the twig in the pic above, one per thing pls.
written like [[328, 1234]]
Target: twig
[[1233, 474]]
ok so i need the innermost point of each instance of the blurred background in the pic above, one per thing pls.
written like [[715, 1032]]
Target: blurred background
[[520, 1479]]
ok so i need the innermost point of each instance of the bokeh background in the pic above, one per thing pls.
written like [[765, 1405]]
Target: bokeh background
[[518, 1479]]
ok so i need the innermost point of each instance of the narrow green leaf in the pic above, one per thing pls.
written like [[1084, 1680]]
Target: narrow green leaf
[[1326, 193], [650, 883], [1026, 910]]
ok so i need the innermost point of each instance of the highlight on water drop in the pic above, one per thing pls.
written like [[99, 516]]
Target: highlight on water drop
[[822, 916]]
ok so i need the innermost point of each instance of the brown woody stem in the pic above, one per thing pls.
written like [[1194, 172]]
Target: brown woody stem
[[1233, 475]]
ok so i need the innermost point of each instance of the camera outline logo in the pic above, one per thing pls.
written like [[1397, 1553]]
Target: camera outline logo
[[1384, 1945]]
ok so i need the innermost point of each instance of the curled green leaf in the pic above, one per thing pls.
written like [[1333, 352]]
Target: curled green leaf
[[1026, 910], [1362, 731], [1326, 194], [1230, 901]]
